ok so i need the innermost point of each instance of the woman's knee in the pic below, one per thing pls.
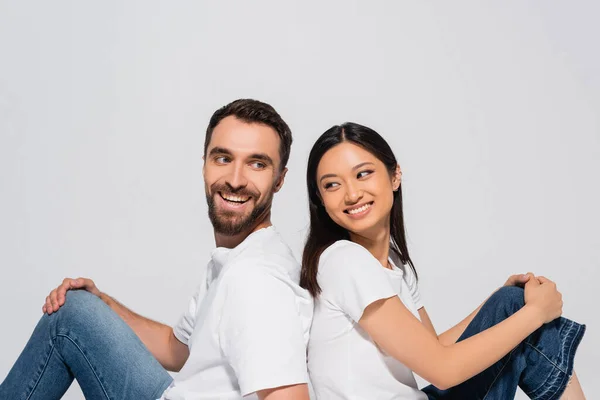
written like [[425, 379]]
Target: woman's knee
[[508, 298]]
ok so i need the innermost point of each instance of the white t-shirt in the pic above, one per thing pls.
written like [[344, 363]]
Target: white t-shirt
[[343, 361], [247, 326]]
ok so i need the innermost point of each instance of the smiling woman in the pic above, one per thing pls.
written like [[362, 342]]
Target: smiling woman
[[370, 330]]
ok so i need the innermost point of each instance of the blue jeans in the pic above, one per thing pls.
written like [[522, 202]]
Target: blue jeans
[[87, 341], [541, 365]]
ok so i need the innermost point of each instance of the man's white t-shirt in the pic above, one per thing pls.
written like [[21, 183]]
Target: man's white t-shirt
[[343, 361], [247, 326]]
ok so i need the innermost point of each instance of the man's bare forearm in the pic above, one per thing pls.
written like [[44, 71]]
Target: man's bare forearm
[[157, 337]]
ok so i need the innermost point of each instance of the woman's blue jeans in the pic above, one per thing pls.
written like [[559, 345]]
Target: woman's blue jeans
[[87, 341], [541, 365]]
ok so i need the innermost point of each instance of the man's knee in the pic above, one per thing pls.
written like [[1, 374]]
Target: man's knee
[[80, 308]]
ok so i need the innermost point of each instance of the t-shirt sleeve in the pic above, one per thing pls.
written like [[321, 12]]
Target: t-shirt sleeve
[[185, 326], [351, 278], [413, 286], [260, 332]]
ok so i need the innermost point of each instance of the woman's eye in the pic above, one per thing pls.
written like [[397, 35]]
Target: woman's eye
[[330, 185], [362, 174]]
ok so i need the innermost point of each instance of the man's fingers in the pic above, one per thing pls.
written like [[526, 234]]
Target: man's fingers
[[82, 283], [54, 300], [62, 292], [48, 305], [88, 285], [77, 283]]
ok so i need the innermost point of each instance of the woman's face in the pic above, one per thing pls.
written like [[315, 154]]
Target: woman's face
[[356, 189]]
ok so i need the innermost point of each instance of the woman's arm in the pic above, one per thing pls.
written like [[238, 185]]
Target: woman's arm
[[447, 366], [451, 335]]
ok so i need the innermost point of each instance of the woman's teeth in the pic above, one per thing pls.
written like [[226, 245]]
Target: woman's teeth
[[360, 209]]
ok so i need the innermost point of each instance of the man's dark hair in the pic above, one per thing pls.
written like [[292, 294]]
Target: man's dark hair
[[254, 111]]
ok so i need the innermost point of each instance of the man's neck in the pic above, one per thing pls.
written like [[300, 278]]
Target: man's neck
[[233, 241]]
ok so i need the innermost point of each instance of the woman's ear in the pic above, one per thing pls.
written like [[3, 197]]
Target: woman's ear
[[397, 179]]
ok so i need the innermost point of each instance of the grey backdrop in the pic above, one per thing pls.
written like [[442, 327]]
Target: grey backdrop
[[491, 108]]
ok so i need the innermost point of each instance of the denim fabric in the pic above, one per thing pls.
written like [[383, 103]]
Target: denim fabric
[[87, 341], [541, 365]]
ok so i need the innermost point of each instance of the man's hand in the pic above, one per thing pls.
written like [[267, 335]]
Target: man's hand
[[56, 298]]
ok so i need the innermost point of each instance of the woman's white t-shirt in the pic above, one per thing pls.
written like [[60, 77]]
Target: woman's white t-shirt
[[343, 361]]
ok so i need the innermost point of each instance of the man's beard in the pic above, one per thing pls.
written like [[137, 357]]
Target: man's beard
[[230, 223]]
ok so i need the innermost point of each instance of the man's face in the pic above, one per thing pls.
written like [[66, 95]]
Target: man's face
[[241, 174]]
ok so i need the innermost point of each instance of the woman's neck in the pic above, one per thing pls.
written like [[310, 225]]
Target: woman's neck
[[378, 244]]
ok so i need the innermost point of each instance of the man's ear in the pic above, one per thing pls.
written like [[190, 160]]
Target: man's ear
[[397, 178], [280, 180]]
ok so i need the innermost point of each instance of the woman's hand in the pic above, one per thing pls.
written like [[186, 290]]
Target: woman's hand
[[541, 293], [519, 279]]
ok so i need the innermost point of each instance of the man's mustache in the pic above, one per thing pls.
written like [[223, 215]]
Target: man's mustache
[[228, 189]]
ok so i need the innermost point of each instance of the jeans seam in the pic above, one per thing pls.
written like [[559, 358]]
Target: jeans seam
[[499, 373], [42, 373], [546, 357], [88, 362], [564, 372]]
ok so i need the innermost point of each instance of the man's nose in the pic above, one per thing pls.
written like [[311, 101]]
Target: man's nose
[[236, 178]]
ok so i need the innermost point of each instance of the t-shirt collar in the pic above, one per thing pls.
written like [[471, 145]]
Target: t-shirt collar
[[222, 255]]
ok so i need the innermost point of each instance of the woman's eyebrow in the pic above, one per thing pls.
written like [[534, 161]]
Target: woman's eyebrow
[[357, 166], [327, 176], [361, 165]]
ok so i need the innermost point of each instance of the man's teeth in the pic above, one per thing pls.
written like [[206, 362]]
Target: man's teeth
[[237, 199], [360, 209]]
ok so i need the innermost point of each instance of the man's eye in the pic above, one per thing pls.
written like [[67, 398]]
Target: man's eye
[[222, 160], [362, 174], [258, 165]]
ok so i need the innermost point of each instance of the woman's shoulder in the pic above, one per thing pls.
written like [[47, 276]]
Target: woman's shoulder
[[343, 250]]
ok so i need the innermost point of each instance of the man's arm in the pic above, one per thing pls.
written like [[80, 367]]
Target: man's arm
[[157, 337], [262, 335], [293, 392]]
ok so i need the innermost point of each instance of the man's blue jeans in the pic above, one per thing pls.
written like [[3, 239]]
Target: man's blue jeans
[[87, 341], [541, 365]]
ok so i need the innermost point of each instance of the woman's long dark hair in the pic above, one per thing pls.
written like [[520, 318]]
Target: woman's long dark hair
[[323, 231]]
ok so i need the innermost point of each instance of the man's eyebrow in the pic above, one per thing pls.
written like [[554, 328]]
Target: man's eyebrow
[[219, 150]]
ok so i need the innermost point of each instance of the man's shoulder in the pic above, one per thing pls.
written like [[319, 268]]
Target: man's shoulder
[[270, 252]]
